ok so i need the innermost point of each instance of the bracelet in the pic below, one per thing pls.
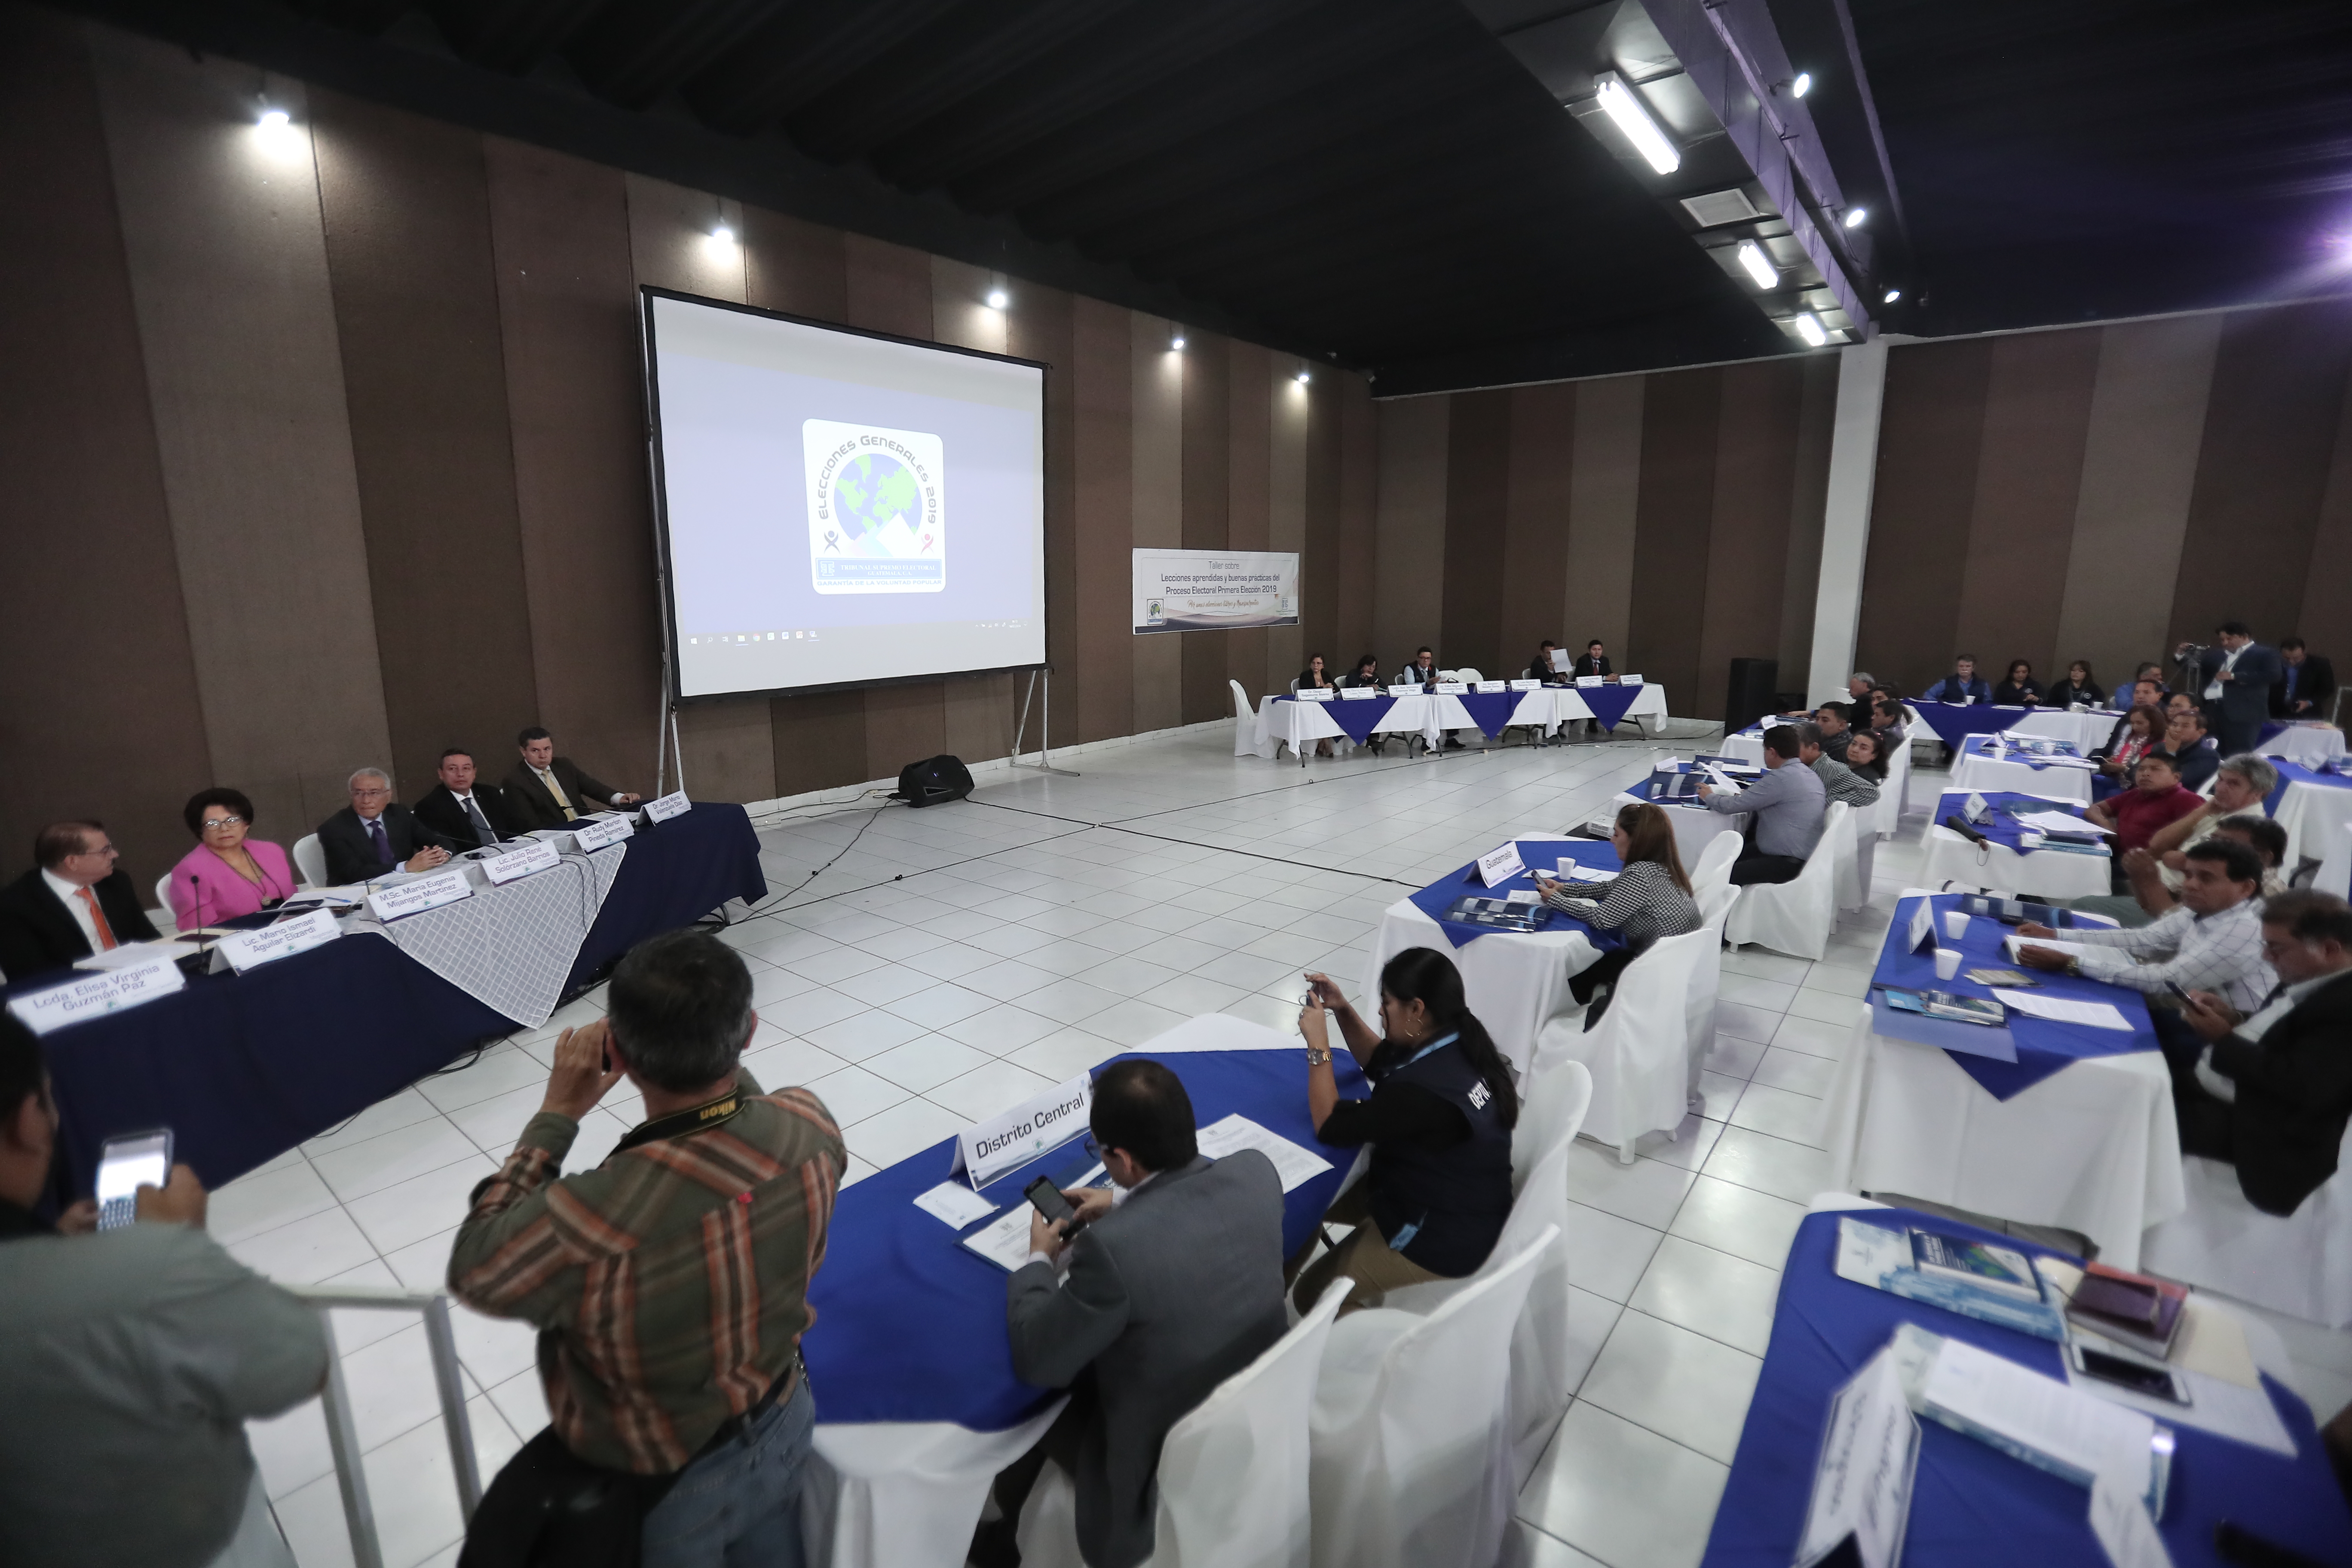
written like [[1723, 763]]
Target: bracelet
[[1316, 1058]]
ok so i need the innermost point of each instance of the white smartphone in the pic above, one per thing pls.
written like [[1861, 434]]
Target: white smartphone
[[125, 1165]]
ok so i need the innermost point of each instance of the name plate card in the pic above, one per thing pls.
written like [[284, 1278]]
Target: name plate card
[[418, 894], [1493, 686], [1862, 1481], [1358, 693], [515, 864], [108, 991], [1498, 867], [1011, 1138], [1921, 938], [1592, 680], [674, 804], [1451, 689], [251, 949], [1629, 680], [1317, 694], [1525, 685], [594, 833]]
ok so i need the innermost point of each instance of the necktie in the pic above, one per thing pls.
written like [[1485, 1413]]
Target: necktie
[[376, 837], [97, 919], [564, 802], [482, 829]]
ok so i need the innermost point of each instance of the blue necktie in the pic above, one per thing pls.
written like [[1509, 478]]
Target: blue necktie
[[383, 845]]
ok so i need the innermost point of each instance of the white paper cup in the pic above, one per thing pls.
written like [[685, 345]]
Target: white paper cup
[[1947, 962], [2029, 840], [1955, 925]]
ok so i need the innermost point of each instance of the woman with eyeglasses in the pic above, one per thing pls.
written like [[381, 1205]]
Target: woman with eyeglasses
[[227, 874], [1439, 1120]]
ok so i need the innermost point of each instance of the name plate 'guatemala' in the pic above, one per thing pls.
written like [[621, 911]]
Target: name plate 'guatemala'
[[418, 894], [674, 804], [251, 949], [1498, 867], [1011, 1138], [533, 857], [108, 991], [594, 833]]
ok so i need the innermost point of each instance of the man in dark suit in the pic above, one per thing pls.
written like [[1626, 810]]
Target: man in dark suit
[[75, 902], [1541, 668], [2306, 685], [1172, 1290], [1421, 672], [374, 836], [467, 812], [551, 790], [1593, 660], [2271, 1093], [2233, 681]]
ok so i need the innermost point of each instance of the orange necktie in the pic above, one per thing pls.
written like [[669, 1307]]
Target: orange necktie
[[98, 920]]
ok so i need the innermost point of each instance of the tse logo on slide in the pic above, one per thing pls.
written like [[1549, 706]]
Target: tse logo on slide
[[876, 509]]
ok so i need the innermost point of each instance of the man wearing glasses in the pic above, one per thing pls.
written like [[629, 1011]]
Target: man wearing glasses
[[75, 902], [374, 836]]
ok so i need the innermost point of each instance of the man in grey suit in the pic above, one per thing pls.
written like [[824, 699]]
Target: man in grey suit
[[1174, 1284]]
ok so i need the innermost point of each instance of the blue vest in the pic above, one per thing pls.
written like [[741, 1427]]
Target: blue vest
[[1443, 1210]]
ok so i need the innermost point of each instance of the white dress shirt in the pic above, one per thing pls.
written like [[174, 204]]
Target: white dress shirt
[[70, 895]]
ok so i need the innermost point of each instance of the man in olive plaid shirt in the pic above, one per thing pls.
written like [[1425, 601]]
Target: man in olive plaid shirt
[[670, 1284]]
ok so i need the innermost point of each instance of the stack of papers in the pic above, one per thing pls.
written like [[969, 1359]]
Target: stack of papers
[[2010, 944], [2059, 822], [1292, 1164], [2058, 1010]]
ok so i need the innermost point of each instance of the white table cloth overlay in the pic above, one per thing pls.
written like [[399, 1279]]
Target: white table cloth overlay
[[1971, 770], [2309, 744], [1695, 826], [1430, 715], [2045, 873], [510, 948], [2316, 818], [1515, 981]]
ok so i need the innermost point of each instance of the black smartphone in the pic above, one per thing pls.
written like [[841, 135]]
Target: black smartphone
[[2157, 1381], [2177, 990], [1047, 1200]]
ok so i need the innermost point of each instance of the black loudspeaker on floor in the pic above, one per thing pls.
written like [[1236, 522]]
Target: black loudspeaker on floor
[[933, 780]]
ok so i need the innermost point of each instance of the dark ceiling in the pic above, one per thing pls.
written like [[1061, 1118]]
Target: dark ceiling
[[1380, 181]]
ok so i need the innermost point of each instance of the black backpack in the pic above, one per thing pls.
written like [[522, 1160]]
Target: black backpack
[[933, 780]]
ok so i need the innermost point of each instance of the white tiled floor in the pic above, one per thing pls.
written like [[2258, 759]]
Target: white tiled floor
[[947, 963]]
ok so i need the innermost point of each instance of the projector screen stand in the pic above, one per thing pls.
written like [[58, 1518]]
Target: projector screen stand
[[1044, 763]]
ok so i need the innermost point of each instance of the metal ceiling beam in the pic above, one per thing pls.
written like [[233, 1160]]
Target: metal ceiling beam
[[802, 53]]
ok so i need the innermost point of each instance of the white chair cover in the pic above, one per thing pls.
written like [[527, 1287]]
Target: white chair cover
[[2336, 872], [1797, 918], [1854, 869], [1233, 1474], [1638, 1053], [1705, 984], [163, 894], [1466, 673], [1551, 1110], [906, 1494], [1713, 868], [1410, 1436], [309, 861], [2300, 1265], [1245, 724]]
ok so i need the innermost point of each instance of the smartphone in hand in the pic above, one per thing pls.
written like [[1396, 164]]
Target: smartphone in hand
[[1047, 1200]]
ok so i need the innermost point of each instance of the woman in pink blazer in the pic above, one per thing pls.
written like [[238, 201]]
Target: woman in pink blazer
[[227, 874]]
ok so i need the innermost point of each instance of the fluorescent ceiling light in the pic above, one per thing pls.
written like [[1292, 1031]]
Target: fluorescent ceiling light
[[1802, 85], [1893, 295], [1621, 106], [1759, 265], [1856, 217], [1809, 327]]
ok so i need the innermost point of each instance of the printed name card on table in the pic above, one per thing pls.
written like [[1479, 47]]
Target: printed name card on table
[[1526, 685], [1592, 680], [1358, 693], [1492, 686], [1011, 1138], [674, 804], [251, 949], [418, 894], [1498, 867], [108, 991], [1452, 687], [1862, 1481], [594, 833], [1316, 694], [1629, 680], [1922, 938], [515, 864]]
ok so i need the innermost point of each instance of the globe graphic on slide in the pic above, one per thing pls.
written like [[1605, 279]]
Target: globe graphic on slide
[[873, 490]]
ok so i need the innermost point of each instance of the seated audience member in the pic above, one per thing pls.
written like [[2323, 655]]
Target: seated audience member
[[1837, 730], [551, 790], [2306, 685], [1839, 782], [2193, 751], [227, 874], [467, 812], [75, 902], [1858, 687], [1788, 804], [1314, 678], [2078, 687], [1174, 1285], [1960, 686], [670, 1284], [135, 1356], [2153, 873], [1367, 673], [2270, 1092], [2140, 732], [2240, 784], [1886, 724], [2017, 689], [2212, 942], [1650, 898], [1864, 755], [1439, 1121], [2154, 800], [1421, 672], [375, 835]]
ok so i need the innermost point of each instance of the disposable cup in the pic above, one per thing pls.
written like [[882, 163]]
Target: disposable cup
[[1947, 963], [1955, 924]]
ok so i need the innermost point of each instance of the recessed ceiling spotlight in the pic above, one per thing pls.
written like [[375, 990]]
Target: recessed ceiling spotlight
[[1893, 295], [1759, 265], [275, 120], [1625, 109], [1856, 217], [1177, 342], [998, 298], [1802, 85], [1809, 327], [1305, 375]]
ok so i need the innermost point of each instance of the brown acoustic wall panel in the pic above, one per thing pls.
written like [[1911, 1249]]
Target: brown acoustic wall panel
[[101, 715], [1358, 544], [1208, 450], [2325, 618], [1809, 483], [2271, 428], [1674, 518], [568, 312], [1931, 427], [1248, 473], [1477, 486], [2028, 479], [1748, 536], [1102, 378], [416, 306], [1412, 436], [1603, 507], [1535, 528], [1042, 327], [1155, 395]]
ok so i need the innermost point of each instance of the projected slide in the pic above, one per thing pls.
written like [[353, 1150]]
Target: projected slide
[[840, 509]]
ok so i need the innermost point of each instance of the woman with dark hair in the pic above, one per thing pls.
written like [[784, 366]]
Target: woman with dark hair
[[2017, 689], [1367, 673], [1314, 678], [1649, 899], [2142, 732], [1865, 756], [227, 874], [1439, 1121], [2078, 687]]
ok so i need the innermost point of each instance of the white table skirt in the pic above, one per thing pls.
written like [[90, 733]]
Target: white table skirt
[[1649, 709], [2309, 744], [1694, 826], [2043, 874], [2092, 1147], [2088, 730], [1971, 770], [1300, 724], [2317, 818], [1517, 982]]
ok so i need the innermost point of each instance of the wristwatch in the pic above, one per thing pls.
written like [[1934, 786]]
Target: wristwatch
[[1316, 1058], [2073, 963]]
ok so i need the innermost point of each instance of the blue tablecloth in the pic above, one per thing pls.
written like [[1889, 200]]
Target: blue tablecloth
[[244, 1067], [2043, 1047], [1609, 702], [1968, 1495], [2001, 827], [910, 1322], [1952, 721], [1979, 746], [2293, 773], [1438, 896], [1490, 710]]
